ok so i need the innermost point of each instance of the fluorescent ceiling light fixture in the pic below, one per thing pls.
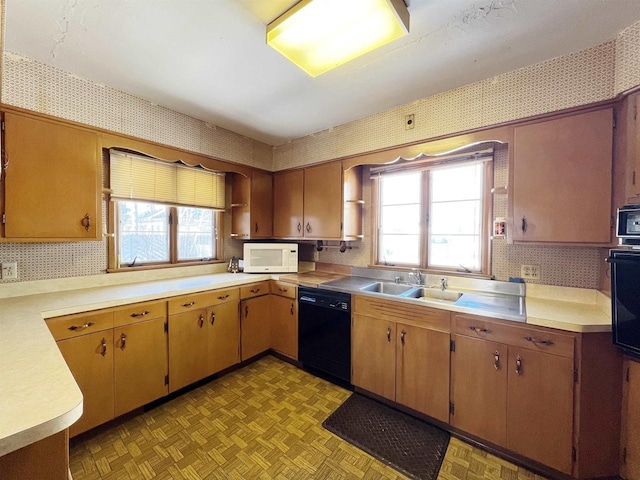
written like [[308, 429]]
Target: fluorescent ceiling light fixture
[[318, 35]]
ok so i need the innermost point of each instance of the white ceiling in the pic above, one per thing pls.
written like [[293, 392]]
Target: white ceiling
[[208, 58]]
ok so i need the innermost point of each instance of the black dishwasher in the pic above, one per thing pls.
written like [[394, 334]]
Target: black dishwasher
[[324, 331]]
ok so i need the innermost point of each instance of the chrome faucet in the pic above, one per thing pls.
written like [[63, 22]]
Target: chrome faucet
[[443, 284], [417, 275]]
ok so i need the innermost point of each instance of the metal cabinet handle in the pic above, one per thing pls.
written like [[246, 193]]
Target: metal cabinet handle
[[283, 290], [292, 311], [246, 311], [254, 290], [518, 365], [388, 334], [479, 329], [103, 345], [201, 321], [541, 342], [523, 226], [86, 222], [496, 360], [190, 304], [256, 229], [223, 297], [213, 317], [402, 334], [299, 227], [308, 227], [123, 341], [135, 315], [81, 327]]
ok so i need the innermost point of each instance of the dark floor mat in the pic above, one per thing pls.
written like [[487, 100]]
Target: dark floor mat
[[409, 445]]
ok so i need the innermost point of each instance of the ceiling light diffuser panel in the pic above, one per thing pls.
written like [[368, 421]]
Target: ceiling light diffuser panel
[[318, 35]]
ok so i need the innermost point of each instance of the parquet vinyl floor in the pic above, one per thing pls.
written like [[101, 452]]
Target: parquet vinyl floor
[[263, 421]]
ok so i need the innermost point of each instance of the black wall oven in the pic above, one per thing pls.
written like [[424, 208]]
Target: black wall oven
[[625, 299]]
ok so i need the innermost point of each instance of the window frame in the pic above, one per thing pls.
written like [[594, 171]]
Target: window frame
[[113, 244], [486, 220]]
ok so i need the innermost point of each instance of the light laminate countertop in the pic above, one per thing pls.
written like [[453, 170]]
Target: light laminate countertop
[[39, 397]]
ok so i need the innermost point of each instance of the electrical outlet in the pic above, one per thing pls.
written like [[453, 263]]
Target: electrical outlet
[[9, 270], [530, 272], [409, 122]]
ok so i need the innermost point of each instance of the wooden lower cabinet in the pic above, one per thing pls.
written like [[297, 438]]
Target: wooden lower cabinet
[[402, 357], [284, 326], [90, 359], [255, 326], [631, 421], [223, 336], [45, 459], [540, 407], [140, 364], [188, 348]]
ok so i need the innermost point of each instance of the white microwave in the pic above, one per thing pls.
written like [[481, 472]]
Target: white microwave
[[270, 257]]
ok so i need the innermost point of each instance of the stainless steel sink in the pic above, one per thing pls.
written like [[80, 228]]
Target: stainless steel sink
[[434, 294], [389, 288]]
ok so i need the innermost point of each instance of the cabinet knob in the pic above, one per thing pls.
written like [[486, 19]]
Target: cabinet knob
[[201, 321], [308, 227], [388, 334], [86, 222], [292, 311], [123, 341], [523, 226], [103, 347], [246, 310], [402, 334], [213, 317], [496, 360], [299, 227], [256, 229]]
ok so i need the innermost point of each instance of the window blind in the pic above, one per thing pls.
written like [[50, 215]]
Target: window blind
[[134, 177]]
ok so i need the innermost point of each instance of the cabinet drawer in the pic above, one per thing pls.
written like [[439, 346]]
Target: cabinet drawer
[[283, 289], [254, 289], [525, 337], [224, 295], [399, 311], [139, 312], [193, 301], [79, 324]]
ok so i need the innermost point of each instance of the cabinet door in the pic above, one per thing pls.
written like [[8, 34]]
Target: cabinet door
[[224, 336], [422, 376], [261, 205], [288, 204], [90, 359], [562, 179], [373, 355], [188, 349], [52, 180], [140, 364], [631, 421], [480, 388], [255, 326], [323, 201], [540, 407], [284, 326]]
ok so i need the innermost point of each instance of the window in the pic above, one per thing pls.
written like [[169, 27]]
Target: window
[[434, 216], [163, 213]]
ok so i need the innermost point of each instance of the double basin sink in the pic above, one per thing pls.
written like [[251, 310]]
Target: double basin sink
[[435, 294]]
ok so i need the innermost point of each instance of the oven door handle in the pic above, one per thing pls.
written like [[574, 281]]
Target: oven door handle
[[623, 261]]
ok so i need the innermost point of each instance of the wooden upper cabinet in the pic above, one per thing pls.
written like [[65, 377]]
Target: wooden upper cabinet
[[252, 206], [288, 207], [561, 180], [51, 180], [323, 201]]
